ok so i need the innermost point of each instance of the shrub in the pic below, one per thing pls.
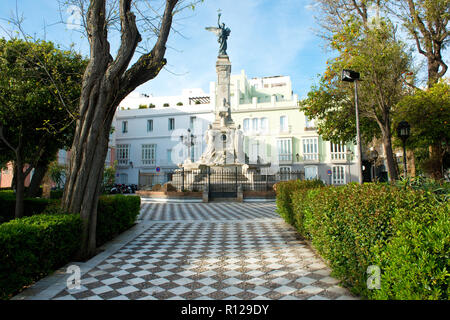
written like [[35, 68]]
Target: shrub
[[151, 106], [115, 214], [32, 247], [56, 194], [179, 103], [415, 263], [285, 191], [355, 226], [142, 106], [165, 105], [32, 206]]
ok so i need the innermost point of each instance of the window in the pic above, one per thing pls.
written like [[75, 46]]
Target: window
[[192, 121], [149, 125], [338, 151], [148, 154], [123, 154], [169, 156], [124, 126], [285, 173], [309, 123], [283, 124], [264, 125], [310, 149], [171, 124], [338, 175], [311, 173], [255, 124], [246, 125], [284, 149]]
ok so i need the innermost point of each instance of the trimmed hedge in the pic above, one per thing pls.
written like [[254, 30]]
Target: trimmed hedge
[[403, 231], [115, 214], [284, 191], [32, 247], [32, 206]]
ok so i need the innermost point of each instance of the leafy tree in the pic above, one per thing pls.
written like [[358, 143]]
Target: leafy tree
[[367, 46], [427, 23], [57, 173], [428, 113], [34, 123]]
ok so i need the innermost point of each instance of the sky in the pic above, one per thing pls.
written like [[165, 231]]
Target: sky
[[268, 38]]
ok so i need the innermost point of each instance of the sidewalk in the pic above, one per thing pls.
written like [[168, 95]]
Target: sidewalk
[[200, 251]]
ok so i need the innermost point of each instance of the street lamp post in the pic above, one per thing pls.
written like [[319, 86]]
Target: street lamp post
[[353, 76], [403, 132]]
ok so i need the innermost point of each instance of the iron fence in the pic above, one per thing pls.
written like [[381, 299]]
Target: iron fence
[[215, 180]]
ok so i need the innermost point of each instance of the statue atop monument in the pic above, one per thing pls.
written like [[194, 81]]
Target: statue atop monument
[[222, 33]]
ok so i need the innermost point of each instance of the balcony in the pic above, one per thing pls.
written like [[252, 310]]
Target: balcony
[[285, 158], [338, 156], [311, 157]]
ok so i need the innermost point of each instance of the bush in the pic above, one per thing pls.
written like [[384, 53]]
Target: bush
[[142, 106], [403, 231], [151, 106], [32, 247], [115, 214], [415, 263], [285, 191], [56, 194], [32, 206], [165, 105], [179, 103]]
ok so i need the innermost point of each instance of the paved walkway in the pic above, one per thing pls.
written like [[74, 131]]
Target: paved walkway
[[201, 251]]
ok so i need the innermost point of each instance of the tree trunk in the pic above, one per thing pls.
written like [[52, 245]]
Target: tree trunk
[[36, 180], [88, 155], [436, 162], [411, 161], [20, 188], [106, 82], [391, 166]]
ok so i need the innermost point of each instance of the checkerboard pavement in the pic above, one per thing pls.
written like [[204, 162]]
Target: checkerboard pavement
[[215, 251]]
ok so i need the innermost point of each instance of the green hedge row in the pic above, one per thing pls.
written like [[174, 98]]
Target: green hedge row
[[403, 231], [285, 191], [115, 214], [32, 247], [32, 206]]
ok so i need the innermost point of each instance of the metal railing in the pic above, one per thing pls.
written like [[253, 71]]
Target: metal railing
[[226, 180]]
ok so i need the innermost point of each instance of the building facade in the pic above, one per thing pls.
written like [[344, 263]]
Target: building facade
[[152, 135]]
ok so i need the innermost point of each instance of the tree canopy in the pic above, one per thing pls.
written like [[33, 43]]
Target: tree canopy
[[39, 95]]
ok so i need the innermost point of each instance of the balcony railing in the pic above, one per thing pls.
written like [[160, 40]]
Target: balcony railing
[[310, 156], [337, 156]]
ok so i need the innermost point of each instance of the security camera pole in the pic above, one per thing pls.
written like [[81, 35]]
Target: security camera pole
[[352, 76]]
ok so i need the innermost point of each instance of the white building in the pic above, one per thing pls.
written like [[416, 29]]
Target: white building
[[148, 131]]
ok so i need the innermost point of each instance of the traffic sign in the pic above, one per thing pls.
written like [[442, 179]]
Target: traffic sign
[[329, 172], [158, 169]]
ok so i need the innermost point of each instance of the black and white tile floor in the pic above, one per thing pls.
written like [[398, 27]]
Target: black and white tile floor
[[210, 251]]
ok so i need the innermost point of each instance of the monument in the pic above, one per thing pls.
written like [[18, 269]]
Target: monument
[[224, 141]]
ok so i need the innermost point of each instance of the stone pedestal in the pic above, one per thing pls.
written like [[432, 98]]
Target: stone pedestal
[[223, 70]]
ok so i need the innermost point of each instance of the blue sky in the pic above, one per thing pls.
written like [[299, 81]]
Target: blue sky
[[268, 38]]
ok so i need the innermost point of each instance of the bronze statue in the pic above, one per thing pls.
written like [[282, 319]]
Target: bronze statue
[[222, 33]]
